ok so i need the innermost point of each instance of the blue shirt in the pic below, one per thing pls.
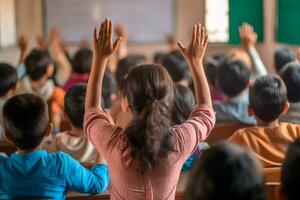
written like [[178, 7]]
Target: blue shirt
[[48, 175]]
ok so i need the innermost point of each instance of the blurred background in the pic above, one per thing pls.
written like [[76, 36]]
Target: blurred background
[[151, 24]]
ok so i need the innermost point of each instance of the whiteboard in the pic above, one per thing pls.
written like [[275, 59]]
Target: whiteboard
[[147, 21]]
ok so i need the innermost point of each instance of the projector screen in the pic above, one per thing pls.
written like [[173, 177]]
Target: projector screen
[[147, 21]]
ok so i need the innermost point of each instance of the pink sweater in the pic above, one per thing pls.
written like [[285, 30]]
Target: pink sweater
[[126, 182]]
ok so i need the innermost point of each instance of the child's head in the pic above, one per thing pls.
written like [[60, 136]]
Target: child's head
[[211, 67], [26, 121], [290, 75], [177, 67], [74, 104], [283, 56], [158, 57], [109, 89], [268, 98], [82, 61], [148, 94], [233, 77], [184, 103], [226, 171], [126, 64], [39, 65], [290, 174], [8, 79]]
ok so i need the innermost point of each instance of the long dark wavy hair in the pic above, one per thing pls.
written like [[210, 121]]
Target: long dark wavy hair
[[150, 93]]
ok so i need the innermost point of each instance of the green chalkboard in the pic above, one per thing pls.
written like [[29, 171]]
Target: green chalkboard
[[241, 11], [288, 21]]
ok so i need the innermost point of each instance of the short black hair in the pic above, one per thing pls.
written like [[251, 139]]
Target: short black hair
[[82, 61], [290, 174], [283, 56], [8, 78], [290, 75], [109, 88], [226, 171], [74, 104], [26, 119], [233, 77], [184, 103], [267, 97], [176, 66], [158, 57], [126, 64], [37, 63]]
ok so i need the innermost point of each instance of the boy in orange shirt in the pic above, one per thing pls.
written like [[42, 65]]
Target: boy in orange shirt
[[269, 139]]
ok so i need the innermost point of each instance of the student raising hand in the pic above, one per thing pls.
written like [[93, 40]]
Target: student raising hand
[[194, 54], [103, 49], [103, 45]]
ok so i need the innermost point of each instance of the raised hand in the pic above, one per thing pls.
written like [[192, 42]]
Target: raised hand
[[103, 44], [247, 36], [23, 43], [121, 32], [194, 52], [42, 43]]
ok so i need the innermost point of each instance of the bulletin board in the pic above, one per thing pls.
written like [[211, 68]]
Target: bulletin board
[[147, 21]]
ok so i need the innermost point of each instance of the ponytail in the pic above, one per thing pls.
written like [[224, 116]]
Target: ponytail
[[148, 135]]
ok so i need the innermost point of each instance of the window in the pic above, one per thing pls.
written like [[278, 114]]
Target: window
[[217, 20], [7, 23]]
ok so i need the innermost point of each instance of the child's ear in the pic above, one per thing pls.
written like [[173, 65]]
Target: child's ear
[[8, 139], [125, 105], [50, 70], [49, 129], [250, 111], [285, 108]]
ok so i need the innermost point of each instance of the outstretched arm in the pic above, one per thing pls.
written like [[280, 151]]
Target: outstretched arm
[[249, 38], [24, 47], [194, 56], [103, 49]]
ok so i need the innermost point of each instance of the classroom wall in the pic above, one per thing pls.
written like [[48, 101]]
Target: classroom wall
[[29, 22]]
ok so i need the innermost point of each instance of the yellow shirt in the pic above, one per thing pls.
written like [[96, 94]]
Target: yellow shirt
[[269, 144]]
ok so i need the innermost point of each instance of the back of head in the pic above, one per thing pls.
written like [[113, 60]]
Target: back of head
[[150, 93], [74, 104], [290, 75], [233, 77], [226, 171], [126, 64], [26, 120], [109, 89], [184, 103], [37, 63], [290, 174], [158, 57], [267, 97], [82, 61], [8, 78], [238, 54], [176, 65], [211, 68], [283, 56]]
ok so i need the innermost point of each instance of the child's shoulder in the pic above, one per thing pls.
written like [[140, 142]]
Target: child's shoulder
[[58, 92]]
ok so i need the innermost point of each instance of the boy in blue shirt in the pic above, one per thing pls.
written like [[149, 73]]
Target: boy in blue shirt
[[32, 172]]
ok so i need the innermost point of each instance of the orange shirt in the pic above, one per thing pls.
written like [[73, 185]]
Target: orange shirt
[[269, 144]]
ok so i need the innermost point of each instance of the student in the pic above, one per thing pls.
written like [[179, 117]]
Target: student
[[74, 142], [226, 171], [233, 80], [211, 70], [32, 172], [8, 83], [146, 156], [283, 56], [290, 176], [269, 138], [177, 67], [109, 91], [81, 63], [290, 75], [39, 68]]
